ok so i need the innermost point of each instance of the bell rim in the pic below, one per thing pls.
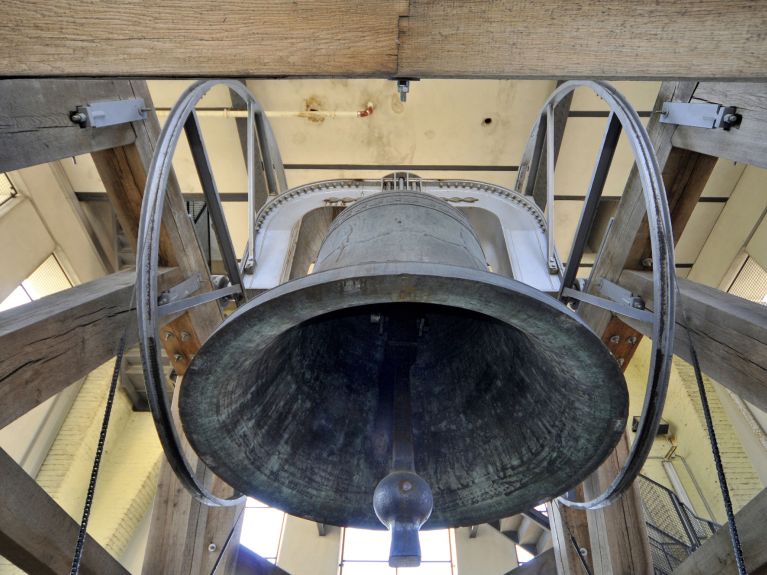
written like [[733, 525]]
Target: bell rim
[[349, 294]]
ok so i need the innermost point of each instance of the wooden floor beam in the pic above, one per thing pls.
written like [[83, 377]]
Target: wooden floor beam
[[716, 557], [37, 535], [50, 343], [730, 334]]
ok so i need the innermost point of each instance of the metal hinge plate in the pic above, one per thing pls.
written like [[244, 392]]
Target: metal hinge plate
[[699, 115], [109, 113]]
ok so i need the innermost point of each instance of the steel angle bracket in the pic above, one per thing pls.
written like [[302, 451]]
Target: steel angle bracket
[[109, 113], [700, 115]]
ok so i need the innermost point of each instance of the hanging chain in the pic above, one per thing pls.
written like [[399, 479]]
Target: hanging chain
[[735, 539], [100, 447]]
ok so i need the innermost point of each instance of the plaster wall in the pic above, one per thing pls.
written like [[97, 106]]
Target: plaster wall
[[489, 553], [303, 552]]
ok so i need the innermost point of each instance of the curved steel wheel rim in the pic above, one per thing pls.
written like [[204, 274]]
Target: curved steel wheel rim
[[664, 280], [146, 280]]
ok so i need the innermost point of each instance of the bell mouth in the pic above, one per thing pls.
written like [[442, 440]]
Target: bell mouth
[[515, 400]]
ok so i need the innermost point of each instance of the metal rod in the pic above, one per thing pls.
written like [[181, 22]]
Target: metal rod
[[251, 168], [212, 198], [550, 161], [194, 301], [625, 310], [593, 197], [400, 355], [535, 161], [323, 114], [262, 131]]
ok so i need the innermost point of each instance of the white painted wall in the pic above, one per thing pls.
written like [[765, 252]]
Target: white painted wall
[[303, 552], [489, 553]]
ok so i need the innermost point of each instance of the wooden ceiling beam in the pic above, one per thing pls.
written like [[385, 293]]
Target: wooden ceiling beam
[[34, 121], [400, 38], [37, 535], [50, 343]]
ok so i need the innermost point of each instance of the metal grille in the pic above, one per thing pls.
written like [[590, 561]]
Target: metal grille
[[667, 553], [751, 282], [673, 529], [7, 191]]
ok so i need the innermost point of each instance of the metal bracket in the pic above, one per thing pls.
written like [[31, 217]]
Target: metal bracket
[[620, 294], [700, 115], [180, 290], [610, 305], [184, 304], [109, 113]]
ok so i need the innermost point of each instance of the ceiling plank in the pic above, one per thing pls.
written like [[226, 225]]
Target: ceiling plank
[[729, 333], [34, 120], [716, 556], [198, 38], [421, 38], [37, 535], [745, 143], [52, 342], [584, 39]]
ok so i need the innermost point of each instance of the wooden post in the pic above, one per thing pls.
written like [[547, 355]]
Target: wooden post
[[570, 534], [182, 529], [618, 536], [617, 533]]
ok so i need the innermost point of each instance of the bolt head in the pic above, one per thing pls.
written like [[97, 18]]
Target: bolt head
[[212, 547]]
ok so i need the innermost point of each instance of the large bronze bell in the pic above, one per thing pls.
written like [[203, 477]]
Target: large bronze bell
[[402, 357]]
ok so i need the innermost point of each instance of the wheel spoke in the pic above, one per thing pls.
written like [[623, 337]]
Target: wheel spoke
[[212, 199], [591, 203]]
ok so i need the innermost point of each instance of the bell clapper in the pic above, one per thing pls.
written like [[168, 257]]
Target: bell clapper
[[402, 500]]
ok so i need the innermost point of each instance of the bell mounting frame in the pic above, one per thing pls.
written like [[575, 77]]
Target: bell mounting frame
[[622, 118], [183, 118]]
